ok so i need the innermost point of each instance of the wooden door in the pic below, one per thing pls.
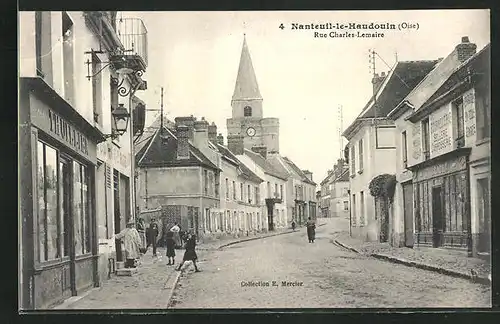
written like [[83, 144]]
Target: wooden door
[[437, 216]]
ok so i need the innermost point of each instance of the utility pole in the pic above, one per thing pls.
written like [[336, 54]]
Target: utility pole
[[161, 112], [339, 129], [373, 71]]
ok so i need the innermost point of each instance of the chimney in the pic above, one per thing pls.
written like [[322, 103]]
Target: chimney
[[182, 142], [235, 144], [200, 134], [212, 133], [220, 139], [377, 81], [186, 121], [262, 150], [465, 49]]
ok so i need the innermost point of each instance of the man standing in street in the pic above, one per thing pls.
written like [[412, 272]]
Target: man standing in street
[[152, 233]]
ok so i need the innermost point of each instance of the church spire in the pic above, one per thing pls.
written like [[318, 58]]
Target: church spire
[[246, 83]]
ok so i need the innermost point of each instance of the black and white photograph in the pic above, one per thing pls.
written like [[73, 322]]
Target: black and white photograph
[[180, 160]]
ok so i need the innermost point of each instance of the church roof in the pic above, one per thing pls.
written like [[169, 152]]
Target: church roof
[[246, 82]]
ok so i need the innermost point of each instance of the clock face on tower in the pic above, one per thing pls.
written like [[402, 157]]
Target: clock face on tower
[[251, 131]]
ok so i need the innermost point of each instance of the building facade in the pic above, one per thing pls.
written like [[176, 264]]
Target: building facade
[[441, 145], [63, 126], [334, 194], [371, 149], [272, 191], [172, 171]]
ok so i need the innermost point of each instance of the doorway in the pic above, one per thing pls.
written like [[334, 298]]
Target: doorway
[[66, 196], [117, 214], [484, 212], [437, 216], [408, 213]]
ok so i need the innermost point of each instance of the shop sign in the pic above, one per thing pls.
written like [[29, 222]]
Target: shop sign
[[470, 117], [440, 169], [120, 160], [441, 131], [64, 131]]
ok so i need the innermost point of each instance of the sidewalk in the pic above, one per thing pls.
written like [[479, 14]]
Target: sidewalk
[[153, 284], [447, 261], [151, 287]]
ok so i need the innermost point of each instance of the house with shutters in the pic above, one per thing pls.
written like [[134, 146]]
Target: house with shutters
[[334, 193], [443, 155], [371, 149]]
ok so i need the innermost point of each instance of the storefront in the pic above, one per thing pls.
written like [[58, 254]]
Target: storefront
[[442, 201], [57, 177]]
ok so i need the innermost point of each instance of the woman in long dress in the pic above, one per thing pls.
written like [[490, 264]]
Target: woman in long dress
[[131, 243], [311, 230], [170, 247], [177, 238]]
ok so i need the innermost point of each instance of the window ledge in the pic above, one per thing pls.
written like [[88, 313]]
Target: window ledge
[[360, 171]]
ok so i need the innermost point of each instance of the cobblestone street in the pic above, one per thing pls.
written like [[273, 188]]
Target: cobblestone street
[[321, 275]]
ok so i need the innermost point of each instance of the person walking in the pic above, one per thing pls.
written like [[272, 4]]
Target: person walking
[[311, 230], [141, 228], [190, 253], [153, 234], [131, 243], [293, 226], [170, 247]]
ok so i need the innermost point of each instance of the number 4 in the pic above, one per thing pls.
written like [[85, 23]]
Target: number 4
[[282, 27]]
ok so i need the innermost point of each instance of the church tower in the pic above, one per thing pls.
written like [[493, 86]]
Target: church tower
[[247, 112]]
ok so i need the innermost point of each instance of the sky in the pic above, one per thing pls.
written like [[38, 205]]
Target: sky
[[303, 79]]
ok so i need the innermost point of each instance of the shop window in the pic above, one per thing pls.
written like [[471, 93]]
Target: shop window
[[81, 214], [48, 208]]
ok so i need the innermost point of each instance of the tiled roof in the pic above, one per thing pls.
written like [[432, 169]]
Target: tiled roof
[[404, 77], [149, 131], [162, 152], [243, 168], [298, 171], [265, 165]]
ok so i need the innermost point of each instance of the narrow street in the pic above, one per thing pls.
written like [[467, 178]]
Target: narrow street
[[320, 275]]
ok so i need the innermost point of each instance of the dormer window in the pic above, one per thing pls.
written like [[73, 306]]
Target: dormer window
[[247, 111]]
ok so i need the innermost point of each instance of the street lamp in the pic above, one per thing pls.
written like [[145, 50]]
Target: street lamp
[[120, 121]]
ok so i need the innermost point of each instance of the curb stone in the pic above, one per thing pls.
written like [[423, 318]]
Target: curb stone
[[452, 273], [175, 283], [347, 247]]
